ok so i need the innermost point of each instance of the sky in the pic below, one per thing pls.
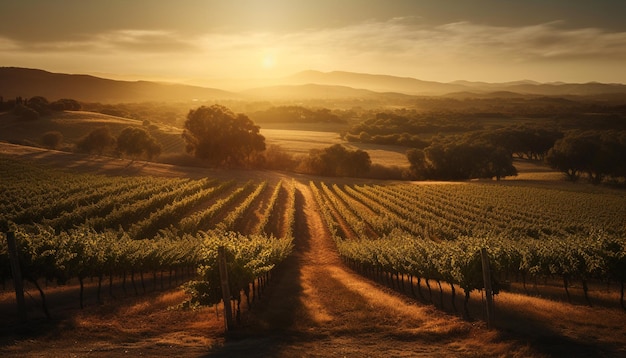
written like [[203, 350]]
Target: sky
[[201, 41]]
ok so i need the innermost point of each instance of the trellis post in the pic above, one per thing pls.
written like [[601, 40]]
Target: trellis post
[[17, 276], [228, 313], [487, 284]]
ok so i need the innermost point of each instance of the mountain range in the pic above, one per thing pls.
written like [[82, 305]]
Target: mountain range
[[306, 85]]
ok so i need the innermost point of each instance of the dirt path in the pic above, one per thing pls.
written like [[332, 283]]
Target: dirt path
[[317, 307]]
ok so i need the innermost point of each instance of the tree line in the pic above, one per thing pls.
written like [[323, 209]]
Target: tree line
[[469, 149], [36, 106], [132, 142], [296, 114], [598, 154]]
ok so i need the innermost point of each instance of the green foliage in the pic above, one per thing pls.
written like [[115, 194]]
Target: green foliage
[[82, 252], [436, 231], [405, 128], [276, 158], [32, 108], [39, 104], [52, 139], [247, 258], [66, 104], [221, 137], [597, 154], [73, 226], [532, 142], [26, 113], [296, 114], [337, 160], [97, 141], [460, 160], [137, 142]]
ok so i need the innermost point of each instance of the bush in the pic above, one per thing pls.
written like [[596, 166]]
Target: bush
[[25, 113], [136, 142], [275, 158], [52, 139], [65, 105], [336, 160], [97, 141]]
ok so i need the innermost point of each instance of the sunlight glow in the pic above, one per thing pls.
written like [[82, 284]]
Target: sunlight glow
[[257, 40], [268, 62]]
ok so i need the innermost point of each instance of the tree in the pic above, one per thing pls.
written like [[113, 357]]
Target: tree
[[65, 104], [418, 165], [52, 139], [595, 153], [25, 112], [97, 141], [39, 104], [458, 160], [336, 160], [276, 158], [221, 137], [499, 164], [137, 142]]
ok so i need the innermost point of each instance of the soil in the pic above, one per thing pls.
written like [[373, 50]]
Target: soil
[[314, 306]]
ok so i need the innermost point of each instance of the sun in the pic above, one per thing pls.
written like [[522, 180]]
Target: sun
[[268, 62]]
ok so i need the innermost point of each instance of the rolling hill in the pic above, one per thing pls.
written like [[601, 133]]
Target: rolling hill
[[306, 85], [317, 91], [377, 83], [26, 83], [74, 125], [412, 86]]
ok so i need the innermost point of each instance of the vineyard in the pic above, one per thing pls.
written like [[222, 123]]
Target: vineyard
[[76, 226], [126, 235], [435, 232]]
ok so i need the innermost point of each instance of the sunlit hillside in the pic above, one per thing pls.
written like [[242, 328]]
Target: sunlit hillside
[[74, 125]]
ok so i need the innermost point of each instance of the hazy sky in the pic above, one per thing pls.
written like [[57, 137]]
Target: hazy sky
[[443, 40]]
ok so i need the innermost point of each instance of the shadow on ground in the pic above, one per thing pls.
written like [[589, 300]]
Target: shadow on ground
[[271, 321]]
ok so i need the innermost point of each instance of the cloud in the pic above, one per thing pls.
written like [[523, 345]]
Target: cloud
[[145, 41], [401, 46], [153, 41], [405, 43], [7, 44], [467, 40]]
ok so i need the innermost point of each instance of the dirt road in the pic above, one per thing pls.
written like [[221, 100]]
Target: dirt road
[[319, 308]]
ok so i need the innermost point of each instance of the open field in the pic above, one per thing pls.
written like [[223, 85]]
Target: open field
[[297, 141], [315, 305], [300, 142]]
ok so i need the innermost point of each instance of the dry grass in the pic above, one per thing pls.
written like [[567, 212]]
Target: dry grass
[[300, 142], [596, 330], [133, 326]]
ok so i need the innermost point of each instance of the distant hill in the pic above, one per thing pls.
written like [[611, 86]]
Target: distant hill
[[26, 83], [377, 83], [308, 91], [412, 86], [302, 86]]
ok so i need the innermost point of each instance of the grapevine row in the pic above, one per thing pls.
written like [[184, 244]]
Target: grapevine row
[[431, 238]]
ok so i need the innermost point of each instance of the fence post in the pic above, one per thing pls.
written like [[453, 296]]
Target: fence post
[[17, 276], [487, 284], [228, 313]]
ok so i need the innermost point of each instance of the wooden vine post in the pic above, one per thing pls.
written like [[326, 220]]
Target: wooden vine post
[[17, 276], [228, 313], [487, 284]]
